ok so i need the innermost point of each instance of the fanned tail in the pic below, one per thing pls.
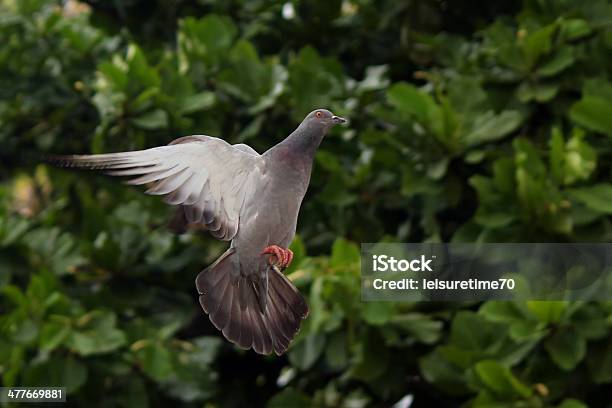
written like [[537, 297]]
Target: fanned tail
[[234, 305]]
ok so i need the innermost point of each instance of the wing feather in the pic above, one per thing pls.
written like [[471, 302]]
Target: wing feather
[[207, 176]]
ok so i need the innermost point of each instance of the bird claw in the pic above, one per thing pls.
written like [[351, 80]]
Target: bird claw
[[279, 257]]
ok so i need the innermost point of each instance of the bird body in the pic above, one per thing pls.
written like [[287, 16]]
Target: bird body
[[270, 218], [240, 196]]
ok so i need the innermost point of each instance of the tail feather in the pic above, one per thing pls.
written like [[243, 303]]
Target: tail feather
[[231, 331], [247, 332], [234, 305], [281, 325]]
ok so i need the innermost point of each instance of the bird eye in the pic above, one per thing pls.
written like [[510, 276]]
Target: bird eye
[[318, 114]]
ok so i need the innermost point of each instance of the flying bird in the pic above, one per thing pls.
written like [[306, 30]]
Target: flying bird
[[238, 195]]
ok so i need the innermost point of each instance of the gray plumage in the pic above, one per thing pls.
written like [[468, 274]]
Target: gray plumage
[[240, 196]]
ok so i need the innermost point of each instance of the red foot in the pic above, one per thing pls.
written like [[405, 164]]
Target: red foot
[[280, 257]]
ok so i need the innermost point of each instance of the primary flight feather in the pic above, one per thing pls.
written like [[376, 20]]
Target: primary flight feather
[[240, 196]]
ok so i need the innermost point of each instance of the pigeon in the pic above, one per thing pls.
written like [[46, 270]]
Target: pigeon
[[237, 195]]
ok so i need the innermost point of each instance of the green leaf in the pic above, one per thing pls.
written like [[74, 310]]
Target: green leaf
[[600, 361], [539, 92], [96, 333], [313, 81], [597, 87], [133, 392], [155, 119], [466, 94], [11, 229], [114, 74], [572, 161], [26, 331], [259, 85], [204, 43], [494, 219], [597, 197], [298, 248], [377, 313], [488, 127], [575, 29], [422, 327], [371, 359], [197, 102], [67, 372], [329, 162], [470, 331], [566, 348], [53, 334], [500, 380], [540, 200], [336, 352], [522, 326], [156, 361], [56, 248], [593, 112], [74, 374], [548, 311], [591, 322], [306, 351], [561, 60], [501, 311], [572, 403], [438, 370], [538, 43], [140, 73], [193, 378], [290, 397], [408, 99], [343, 253], [144, 100]]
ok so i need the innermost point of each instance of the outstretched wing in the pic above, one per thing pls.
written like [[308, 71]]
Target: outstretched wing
[[207, 176]]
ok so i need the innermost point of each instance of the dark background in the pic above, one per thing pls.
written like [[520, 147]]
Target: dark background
[[471, 121]]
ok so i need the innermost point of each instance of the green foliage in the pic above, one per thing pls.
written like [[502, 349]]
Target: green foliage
[[468, 124]]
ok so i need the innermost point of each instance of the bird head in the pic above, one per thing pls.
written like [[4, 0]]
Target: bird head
[[313, 128], [324, 117]]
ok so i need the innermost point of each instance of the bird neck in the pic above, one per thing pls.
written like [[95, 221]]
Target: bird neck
[[305, 140]]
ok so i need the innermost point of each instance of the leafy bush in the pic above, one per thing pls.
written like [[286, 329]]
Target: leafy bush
[[486, 124]]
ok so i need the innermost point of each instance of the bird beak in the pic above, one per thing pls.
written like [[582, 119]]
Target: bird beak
[[338, 119]]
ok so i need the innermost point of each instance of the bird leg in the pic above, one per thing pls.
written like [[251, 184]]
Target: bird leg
[[279, 257]]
